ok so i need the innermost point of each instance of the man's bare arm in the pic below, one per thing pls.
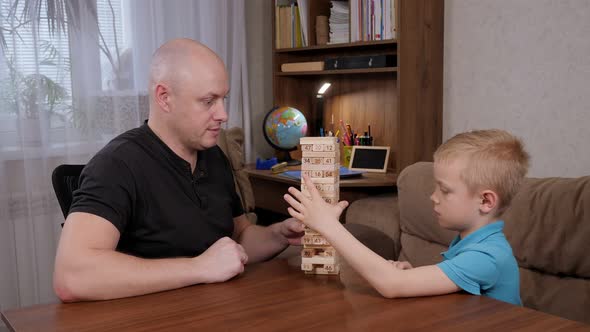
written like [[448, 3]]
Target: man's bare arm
[[87, 266]]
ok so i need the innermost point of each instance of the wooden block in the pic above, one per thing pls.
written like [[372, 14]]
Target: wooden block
[[331, 267], [309, 230], [318, 161], [335, 198], [320, 167], [328, 252], [329, 270], [332, 172], [308, 160], [321, 187], [333, 180], [323, 194], [315, 240], [324, 247], [328, 160], [305, 148], [318, 144], [317, 175], [311, 154], [310, 233], [323, 161], [321, 252], [325, 252], [323, 147], [331, 200], [306, 267], [330, 260], [319, 240], [307, 252], [319, 140]]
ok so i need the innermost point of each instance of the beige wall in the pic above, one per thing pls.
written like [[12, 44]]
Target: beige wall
[[523, 66], [519, 65], [259, 36]]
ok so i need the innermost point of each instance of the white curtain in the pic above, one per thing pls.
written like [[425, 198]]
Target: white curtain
[[64, 94]]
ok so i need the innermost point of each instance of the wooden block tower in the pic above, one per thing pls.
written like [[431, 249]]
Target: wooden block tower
[[321, 162]]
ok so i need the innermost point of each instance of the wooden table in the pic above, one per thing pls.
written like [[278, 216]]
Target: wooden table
[[269, 188], [277, 296]]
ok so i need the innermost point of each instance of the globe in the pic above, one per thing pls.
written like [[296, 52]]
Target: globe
[[283, 127]]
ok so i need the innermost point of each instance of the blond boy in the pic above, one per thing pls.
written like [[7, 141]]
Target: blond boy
[[476, 176]]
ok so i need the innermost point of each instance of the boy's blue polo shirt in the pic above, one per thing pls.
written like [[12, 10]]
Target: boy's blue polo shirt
[[483, 264]]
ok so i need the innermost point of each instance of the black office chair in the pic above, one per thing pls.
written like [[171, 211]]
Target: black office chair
[[65, 179]]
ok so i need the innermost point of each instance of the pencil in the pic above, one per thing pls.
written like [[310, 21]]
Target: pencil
[[345, 138]]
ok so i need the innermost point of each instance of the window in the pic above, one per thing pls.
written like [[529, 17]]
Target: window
[[115, 58], [35, 67]]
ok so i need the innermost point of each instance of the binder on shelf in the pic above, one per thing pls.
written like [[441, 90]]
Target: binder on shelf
[[361, 61], [302, 66]]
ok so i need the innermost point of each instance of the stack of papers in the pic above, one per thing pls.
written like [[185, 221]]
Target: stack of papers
[[339, 25]]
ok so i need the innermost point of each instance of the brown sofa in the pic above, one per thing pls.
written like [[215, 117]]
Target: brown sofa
[[548, 226], [231, 141]]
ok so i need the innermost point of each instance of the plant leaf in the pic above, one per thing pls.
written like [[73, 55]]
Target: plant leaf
[[47, 63]]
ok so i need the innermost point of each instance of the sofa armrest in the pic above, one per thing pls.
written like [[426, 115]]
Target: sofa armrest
[[375, 222]]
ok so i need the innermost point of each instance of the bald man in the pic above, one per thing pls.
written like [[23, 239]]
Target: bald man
[[157, 207]]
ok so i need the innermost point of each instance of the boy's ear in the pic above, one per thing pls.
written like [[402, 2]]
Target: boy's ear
[[489, 201]]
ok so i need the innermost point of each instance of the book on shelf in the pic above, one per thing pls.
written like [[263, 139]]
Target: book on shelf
[[372, 20], [302, 66], [290, 24], [304, 19]]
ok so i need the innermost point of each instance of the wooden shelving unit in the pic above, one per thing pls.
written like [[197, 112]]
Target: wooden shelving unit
[[403, 104], [339, 72], [337, 46]]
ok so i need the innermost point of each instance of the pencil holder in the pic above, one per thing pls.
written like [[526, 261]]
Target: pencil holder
[[345, 155]]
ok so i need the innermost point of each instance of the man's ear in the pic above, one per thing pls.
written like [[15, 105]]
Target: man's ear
[[489, 201], [162, 96]]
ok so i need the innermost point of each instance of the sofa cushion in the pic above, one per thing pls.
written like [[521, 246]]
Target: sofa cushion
[[420, 252], [562, 296], [374, 239], [380, 212], [548, 225]]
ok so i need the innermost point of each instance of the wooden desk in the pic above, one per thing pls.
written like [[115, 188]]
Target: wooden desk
[[269, 188], [276, 296]]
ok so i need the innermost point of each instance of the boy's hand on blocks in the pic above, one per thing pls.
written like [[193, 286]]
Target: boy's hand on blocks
[[401, 265], [314, 212]]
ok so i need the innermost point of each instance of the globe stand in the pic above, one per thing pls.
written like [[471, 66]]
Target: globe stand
[[286, 156]]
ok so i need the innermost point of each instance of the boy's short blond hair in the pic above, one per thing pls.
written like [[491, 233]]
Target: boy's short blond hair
[[496, 160]]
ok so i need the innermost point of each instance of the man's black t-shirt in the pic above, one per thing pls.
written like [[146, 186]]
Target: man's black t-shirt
[[149, 194]]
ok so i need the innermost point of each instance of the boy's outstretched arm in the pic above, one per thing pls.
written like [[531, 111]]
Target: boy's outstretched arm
[[387, 279]]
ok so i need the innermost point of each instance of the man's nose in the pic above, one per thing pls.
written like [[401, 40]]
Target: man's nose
[[220, 113]]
